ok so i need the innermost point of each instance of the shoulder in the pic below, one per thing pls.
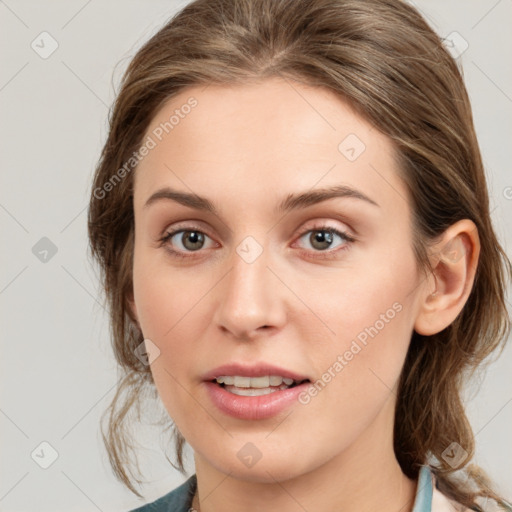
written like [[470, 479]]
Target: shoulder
[[178, 500]]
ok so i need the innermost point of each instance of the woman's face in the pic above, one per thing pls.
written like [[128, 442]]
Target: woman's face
[[259, 282]]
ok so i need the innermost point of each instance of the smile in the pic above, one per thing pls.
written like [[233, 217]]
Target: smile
[[255, 386]]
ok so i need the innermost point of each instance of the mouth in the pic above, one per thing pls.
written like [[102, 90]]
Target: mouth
[[256, 386], [255, 391]]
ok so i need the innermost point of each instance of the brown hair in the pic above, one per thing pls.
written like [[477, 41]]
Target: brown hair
[[382, 58]]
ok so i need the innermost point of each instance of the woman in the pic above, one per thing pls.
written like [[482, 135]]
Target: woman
[[292, 222]]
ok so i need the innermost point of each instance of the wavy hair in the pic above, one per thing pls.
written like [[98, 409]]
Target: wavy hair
[[382, 58]]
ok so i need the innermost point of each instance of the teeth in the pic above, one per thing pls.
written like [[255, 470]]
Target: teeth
[[257, 382], [254, 382], [242, 382], [226, 380], [275, 380], [253, 391]]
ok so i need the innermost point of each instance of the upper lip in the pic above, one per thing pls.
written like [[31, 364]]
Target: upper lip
[[252, 370]]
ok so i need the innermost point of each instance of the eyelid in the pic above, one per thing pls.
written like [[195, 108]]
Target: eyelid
[[344, 234], [324, 225], [171, 232], [317, 225]]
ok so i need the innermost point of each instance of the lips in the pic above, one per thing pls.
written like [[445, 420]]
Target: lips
[[249, 403], [253, 370], [254, 407]]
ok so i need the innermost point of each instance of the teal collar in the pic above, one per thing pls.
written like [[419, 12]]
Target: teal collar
[[424, 491]]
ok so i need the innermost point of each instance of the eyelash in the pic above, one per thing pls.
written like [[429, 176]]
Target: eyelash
[[322, 254]]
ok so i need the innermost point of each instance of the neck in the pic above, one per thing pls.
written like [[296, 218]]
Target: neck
[[364, 477]]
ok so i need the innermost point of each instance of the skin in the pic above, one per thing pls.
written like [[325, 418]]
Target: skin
[[245, 148]]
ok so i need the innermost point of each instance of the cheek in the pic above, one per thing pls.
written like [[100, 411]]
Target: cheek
[[363, 303], [358, 370], [164, 296], [165, 314], [371, 314], [170, 304]]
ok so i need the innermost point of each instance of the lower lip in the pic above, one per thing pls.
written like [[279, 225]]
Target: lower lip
[[253, 407]]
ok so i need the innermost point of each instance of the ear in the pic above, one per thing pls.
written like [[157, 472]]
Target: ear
[[454, 259]]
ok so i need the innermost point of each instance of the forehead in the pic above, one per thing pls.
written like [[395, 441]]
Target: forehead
[[269, 112], [278, 133]]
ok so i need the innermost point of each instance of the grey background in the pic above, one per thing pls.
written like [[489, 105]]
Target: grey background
[[57, 370]]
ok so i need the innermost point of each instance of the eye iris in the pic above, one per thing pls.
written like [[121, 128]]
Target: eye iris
[[322, 237], [195, 238]]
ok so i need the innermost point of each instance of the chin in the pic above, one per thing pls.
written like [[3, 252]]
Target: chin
[[267, 469], [263, 473]]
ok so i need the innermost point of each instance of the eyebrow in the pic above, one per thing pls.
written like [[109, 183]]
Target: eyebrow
[[291, 202]]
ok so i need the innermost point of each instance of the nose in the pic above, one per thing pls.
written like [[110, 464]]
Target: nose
[[251, 298]]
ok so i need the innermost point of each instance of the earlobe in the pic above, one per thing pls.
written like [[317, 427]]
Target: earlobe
[[454, 260]]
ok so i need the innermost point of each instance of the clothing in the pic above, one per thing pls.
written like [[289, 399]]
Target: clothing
[[178, 500], [428, 497]]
